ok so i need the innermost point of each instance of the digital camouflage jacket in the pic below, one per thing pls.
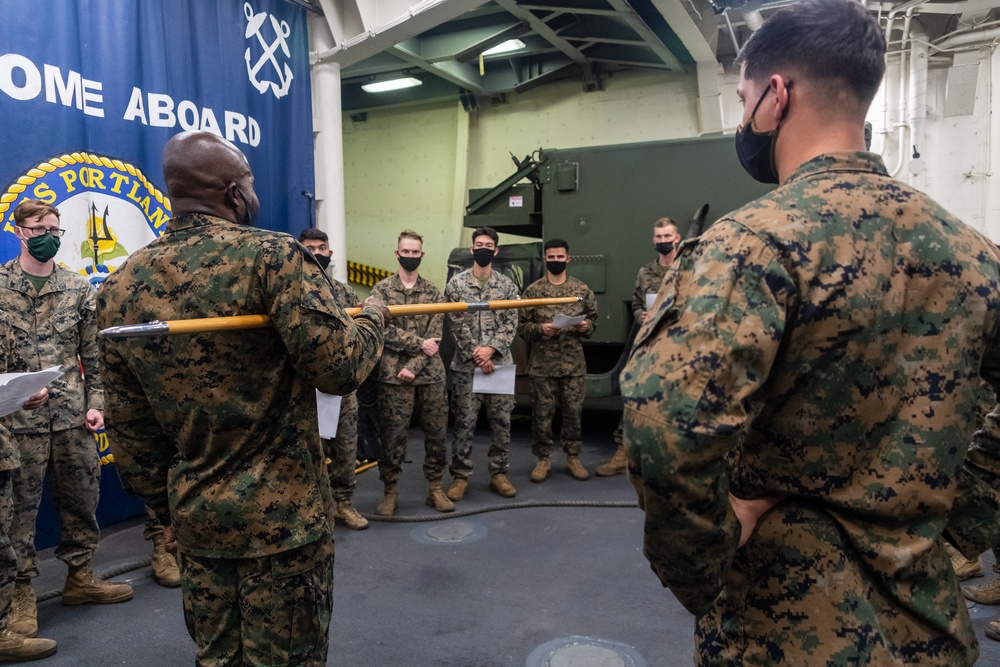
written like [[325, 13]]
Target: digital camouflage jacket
[[404, 335], [823, 342], [560, 355], [55, 327], [217, 431]]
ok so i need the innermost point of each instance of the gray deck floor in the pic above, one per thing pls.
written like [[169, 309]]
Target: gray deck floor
[[503, 587]]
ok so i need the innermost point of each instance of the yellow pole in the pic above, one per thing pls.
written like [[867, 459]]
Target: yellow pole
[[203, 324]]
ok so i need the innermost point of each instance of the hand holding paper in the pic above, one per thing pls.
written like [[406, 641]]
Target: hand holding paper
[[500, 381], [17, 388], [561, 321]]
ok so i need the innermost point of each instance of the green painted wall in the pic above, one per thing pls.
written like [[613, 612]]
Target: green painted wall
[[413, 167]]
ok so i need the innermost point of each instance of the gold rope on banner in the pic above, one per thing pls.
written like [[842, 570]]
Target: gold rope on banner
[[16, 190]]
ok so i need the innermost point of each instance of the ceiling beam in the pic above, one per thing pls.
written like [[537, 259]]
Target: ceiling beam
[[363, 28], [686, 30], [574, 10], [461, 74], [455, 45], [629, 15], [543, 29]]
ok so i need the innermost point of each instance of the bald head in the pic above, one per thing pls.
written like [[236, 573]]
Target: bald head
[[204, 173]]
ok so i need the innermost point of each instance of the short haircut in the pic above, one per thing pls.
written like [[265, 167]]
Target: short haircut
[[486, 231], [827, 41], [409, 234], [555, 243], [664, 222], [313, 234], [32, 208]]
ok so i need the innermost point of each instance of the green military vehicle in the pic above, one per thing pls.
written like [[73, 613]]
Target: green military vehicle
[[604, 200]]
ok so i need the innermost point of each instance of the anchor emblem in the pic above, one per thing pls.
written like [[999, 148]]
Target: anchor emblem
[[281, 31]]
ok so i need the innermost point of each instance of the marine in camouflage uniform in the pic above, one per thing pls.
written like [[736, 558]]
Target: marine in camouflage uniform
[[52, 313], [469, 330], [798, 402], [52, 326], [217, 431], [343, 449], [13, 647], [557, 366], [404, 339], [831, 357], [647, 281]]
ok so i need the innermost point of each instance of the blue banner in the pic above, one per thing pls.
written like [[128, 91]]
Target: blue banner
[[91, 90]]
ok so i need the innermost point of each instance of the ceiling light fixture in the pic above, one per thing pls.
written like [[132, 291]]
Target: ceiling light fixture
[[391, 84], [505, 47]]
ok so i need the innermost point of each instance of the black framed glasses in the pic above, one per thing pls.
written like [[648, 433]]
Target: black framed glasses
[[41, 231]]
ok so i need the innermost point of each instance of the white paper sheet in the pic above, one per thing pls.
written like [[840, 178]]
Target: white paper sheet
[[561, 321], [328, 410], [650, 298], [16, 388], [500, 381]]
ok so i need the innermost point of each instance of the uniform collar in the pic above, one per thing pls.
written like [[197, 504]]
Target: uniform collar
[[859, 161], [398, 283], [17, 280], [189, 220]]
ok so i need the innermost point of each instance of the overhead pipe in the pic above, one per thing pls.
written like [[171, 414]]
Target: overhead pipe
[[974, 38], [752, 16], [901, 123], [917, 116]]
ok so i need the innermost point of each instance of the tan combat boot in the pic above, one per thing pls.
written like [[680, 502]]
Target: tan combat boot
[[387, 505], [457, 489], [541, 470], [437, 499], [617, 465], [500, 486], [576, 469], [82, 587], [24, 611], [346, 514], [964, 568], [993, 630], [18, 648], [988, 593], [165, 570]]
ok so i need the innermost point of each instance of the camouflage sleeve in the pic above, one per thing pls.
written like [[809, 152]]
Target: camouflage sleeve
[[506, 328], [689, 392], [435, 329], [353, 295], [136, 439], [460, 325], [336, 351], [527, 325], [89, 353], [984, 452], [590, 310], [974, 523], [638, 297], [397, 338]]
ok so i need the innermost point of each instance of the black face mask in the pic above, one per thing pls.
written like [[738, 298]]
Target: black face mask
[[756, 149], [483, 256], [323, 260], [555, 268], [251, 213], [665, 247], [409, 263]]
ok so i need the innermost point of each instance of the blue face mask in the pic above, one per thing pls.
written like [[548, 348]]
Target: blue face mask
[[756, 149]]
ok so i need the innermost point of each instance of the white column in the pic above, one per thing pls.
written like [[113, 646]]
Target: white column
[[328, 147]]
